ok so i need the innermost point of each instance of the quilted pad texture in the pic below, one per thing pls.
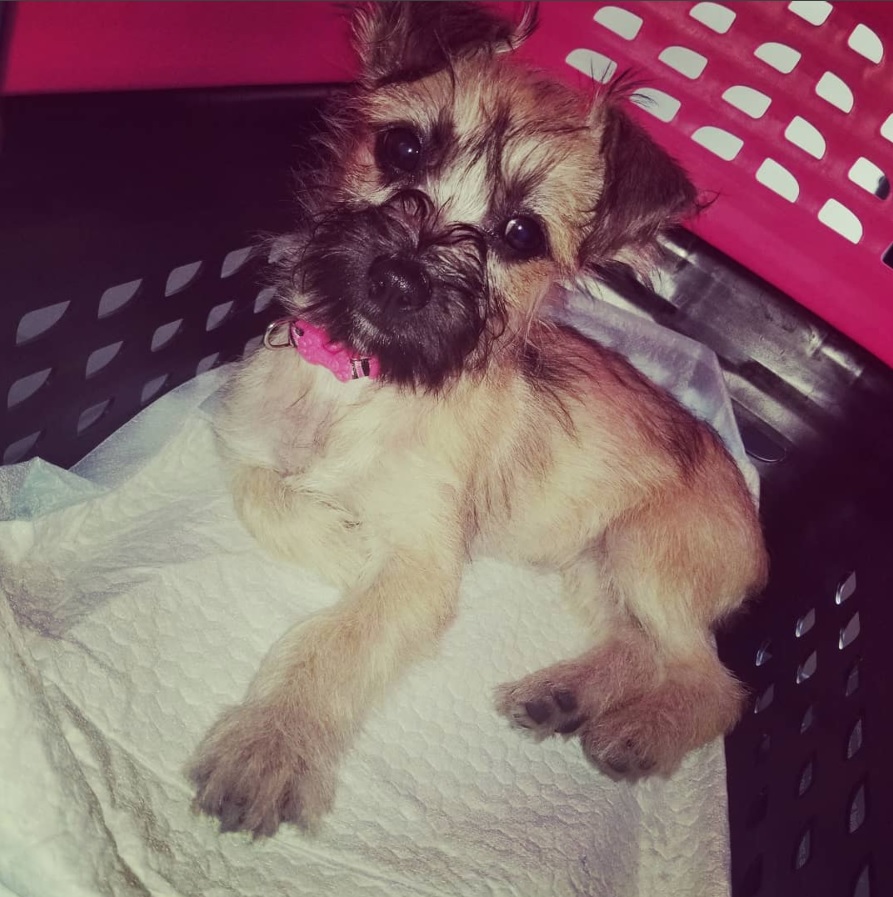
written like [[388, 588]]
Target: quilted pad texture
[[135, 608]]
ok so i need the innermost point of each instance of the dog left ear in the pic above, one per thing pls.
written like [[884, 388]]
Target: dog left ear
[[404, 41], [644, 192]]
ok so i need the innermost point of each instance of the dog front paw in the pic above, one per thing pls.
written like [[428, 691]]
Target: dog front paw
[[543, 705], [253, 771]]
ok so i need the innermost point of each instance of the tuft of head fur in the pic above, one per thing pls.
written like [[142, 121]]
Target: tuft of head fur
[[494, 143]]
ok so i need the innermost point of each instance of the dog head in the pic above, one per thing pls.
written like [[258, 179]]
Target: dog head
[[459, 187]]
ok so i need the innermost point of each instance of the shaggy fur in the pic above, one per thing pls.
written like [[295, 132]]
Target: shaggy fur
[[460, 187]]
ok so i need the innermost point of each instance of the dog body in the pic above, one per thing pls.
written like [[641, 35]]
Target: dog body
[[464, 187]]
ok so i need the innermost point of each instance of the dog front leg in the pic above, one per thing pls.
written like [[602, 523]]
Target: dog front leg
[[274, 758]]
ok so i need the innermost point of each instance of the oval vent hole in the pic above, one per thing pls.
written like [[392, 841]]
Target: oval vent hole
[[17, 450], [835, 91], [807, 668], [116, 297], [808, 719], [25, 387], [852, 680], [806, 775], [235, 260], [765, 699], [252, 344], [622, 22], [813, 11], [715, 16], [854, 742], [263, 300], [718, 141], [181, 278], [801, 133], [686, 62], [749, 101], [781, 57], [841, 220], [804, 848], [857, 809], [778, 179], [35, 323], [850, 632], [862, 888], [869, 177], [152, 388], [764, 653], [805, 623], [92, 415], [866, 43], [659, 104], [846, 588], [165, 333], [207, 363], [217, 315], [100, 358], [594, 65]]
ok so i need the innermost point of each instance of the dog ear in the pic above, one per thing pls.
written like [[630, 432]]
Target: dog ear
[[644, 192], [404, 41]]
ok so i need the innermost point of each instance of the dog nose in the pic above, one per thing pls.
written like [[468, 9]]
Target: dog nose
[[398, 284]]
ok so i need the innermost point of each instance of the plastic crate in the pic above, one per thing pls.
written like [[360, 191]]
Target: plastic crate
[[123, 273], [785, 112]]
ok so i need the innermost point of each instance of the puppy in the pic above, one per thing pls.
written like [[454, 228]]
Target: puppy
[[417, 405]]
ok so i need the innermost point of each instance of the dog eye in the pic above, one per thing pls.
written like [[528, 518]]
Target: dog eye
[[401, 149], [525, 236]]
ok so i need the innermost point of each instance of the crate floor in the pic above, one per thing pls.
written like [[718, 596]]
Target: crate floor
[[135, 608]]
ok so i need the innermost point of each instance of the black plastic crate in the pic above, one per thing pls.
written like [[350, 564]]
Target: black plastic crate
[[124, 220]]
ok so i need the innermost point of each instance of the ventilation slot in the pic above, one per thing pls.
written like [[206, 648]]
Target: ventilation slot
[[870, 178], [101, 358], [592, 64], [152, 388], [180, 278], [718, 141], [36, 323], [165, 333], [686, 62], [850, 632], [840, 219], [866, 43], [20, 448], [805, 623], [622, 22], [115, 298], [807, 668], [92, 415], [717, 18], [25, 387], [778, 179], [781, 57], [813, 11], [834, 91], [661, 105], [801, 133], [235, 260], [749, 101]]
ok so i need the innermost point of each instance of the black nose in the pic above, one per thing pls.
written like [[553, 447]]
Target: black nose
[[398, 284]]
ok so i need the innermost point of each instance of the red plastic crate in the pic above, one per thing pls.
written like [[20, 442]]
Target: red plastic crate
[[787, 207]]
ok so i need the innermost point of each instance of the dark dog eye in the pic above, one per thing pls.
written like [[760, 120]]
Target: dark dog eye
[[400, 149], [525, 236]]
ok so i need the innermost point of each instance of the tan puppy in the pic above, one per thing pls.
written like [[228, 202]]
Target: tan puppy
[[460, 188]]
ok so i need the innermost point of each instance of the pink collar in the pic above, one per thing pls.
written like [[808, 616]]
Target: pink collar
[[314, 346]]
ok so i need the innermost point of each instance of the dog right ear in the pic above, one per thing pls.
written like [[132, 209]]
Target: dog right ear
[[404, 41]]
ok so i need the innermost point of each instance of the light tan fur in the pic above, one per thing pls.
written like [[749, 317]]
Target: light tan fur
[[387, 491]]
